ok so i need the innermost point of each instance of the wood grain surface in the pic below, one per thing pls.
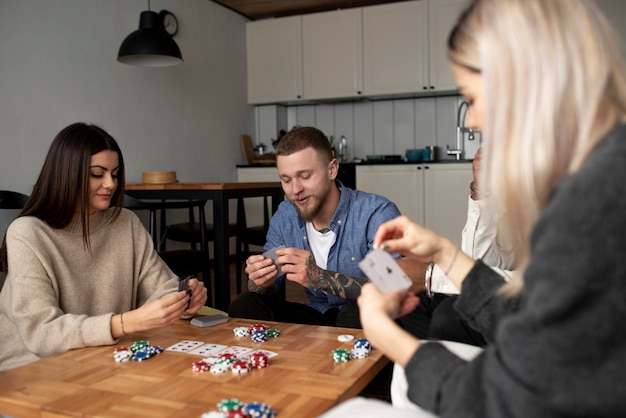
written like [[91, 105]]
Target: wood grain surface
[[301, 381]]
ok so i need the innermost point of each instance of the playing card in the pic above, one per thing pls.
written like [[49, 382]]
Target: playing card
[[208, 320], [208, 349], [236, 350], [384, 272], [185, 346], [272, 254], [269, 354]]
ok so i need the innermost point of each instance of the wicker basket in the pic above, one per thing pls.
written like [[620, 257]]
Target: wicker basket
[[158, 177]]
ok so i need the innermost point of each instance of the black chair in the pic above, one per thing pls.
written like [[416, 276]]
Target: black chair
[[249, 235], [10, 201], [190, 231], [182, 263]]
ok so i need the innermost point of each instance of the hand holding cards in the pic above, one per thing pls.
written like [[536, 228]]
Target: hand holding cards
[[384, 272], [183, 284], [272, 254]]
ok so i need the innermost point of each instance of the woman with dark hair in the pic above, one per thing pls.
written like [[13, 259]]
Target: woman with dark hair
[[81, 270]]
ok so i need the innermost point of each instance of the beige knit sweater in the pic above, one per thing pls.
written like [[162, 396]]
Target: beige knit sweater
[[57, 296]]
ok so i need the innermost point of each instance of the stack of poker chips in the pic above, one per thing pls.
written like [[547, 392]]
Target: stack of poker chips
[[138, 351], [234, 408], [361, 349], [258, 332], [225, 362]]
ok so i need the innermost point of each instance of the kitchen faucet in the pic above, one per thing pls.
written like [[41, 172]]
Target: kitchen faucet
[[460, 130]]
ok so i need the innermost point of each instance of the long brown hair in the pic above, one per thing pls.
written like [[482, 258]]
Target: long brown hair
[[63, 183]]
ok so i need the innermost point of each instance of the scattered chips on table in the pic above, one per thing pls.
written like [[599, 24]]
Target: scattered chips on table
[[229, 404], [345, 338], [241, 331], [234, 408], [341, 355], [138, 351], [363, 343], [138, 345]]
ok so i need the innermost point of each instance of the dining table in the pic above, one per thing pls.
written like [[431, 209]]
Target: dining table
[[301, 378], [219, 194]]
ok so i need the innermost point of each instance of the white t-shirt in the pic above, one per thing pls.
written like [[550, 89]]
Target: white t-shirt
[[320, 244]]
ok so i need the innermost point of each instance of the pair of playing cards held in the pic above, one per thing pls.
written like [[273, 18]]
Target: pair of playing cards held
[[384, 272]]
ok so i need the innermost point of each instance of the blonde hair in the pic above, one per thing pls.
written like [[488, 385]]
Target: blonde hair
[[554, 85]]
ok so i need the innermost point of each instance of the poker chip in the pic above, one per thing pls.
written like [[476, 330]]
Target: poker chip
[[273, 333], [143, 354], [138, 345], [259, 336], [259, 360], [227, 358], [359, 353], [258, 410], [229, 404], [237, 413], [258, 327], [122, 354], [214, 414], [345, 338], [211, 360], [240, 367], [363, 343], [341, 355], [200, 367], [219, 368], [241, 331]]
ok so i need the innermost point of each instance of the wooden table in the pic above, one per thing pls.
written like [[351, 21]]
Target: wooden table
[[301, 381], [219, 194]]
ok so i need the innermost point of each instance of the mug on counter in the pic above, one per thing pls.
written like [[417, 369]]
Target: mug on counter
[[429, 153]]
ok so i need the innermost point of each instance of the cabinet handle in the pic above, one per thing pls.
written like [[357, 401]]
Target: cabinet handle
[[299, 97], [358, 92], [425, 87], [419, 167], [432, 87], [426, 167]]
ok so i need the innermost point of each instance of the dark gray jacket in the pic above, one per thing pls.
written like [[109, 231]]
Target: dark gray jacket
[[559, 350]]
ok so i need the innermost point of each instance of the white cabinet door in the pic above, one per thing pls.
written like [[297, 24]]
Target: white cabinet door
[[395, 48], [274, 52], [332, 54], [433, 195], [446, 190], [402, 184], [443, 15]]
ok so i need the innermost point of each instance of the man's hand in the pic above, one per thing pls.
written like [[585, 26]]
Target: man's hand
[[261, 273]]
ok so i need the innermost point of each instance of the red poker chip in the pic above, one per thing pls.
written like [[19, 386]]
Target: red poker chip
[[200, 366], [258, 327], [259, 360]]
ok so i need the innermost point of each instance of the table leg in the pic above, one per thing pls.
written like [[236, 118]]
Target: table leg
[[221, 253]]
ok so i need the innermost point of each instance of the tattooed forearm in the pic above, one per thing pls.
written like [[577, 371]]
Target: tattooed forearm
[[253, 287], [332, 282]]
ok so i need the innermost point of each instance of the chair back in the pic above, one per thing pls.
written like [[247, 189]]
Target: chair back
[[12, 200]]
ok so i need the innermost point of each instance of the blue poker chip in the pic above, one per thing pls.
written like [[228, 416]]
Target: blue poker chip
[[143, 354], [258, 410], [259, 336], [363, 343]]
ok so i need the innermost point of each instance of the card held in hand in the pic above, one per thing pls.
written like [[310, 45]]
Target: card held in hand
[[384, 272], [272, 254]]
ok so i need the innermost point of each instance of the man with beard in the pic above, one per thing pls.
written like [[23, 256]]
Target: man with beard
[[324, 229]]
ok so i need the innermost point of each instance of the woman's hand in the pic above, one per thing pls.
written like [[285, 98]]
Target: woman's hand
[[157, 313], [198, 296], [404, 236], [378, 311]]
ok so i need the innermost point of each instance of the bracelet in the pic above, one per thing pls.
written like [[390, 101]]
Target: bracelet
[[428, 279], [456, 252], [122, 322]]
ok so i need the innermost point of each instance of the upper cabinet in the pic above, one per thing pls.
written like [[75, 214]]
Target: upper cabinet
[[395, 48], [274, 52], [392, 49], [442, 16], [332, 54]]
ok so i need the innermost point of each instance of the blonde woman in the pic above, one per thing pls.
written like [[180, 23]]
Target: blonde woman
[[547, 87]]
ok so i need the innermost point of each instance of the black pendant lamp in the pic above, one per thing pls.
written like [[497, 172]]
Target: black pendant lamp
[[150, 45]]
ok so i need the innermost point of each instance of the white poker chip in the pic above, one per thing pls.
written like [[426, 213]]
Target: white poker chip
[[211, 360], [345, 338], [218, 368], [360, 352], [123, 355], [241, 331]]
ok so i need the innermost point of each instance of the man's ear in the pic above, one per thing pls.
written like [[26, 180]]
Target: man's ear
[[333, 168]]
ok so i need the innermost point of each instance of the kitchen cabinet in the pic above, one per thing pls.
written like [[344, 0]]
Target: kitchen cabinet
[[395, 48], [442, 16], [274, 54], [433, 195], [332, 54]]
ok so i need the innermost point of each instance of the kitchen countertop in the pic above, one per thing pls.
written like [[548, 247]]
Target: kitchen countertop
[[374, 162]]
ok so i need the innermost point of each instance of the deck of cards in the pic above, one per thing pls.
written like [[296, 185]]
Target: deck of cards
[[272, 254], [384, 272]]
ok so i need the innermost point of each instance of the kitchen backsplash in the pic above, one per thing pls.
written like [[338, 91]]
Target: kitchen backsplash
[[373, 127]]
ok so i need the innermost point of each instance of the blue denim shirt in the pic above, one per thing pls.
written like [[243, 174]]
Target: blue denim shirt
[[355, 223]]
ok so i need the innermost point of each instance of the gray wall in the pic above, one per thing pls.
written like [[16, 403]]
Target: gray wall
[[58, 66]]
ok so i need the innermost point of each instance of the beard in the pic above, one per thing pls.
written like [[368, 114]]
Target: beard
[[318, 199]]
